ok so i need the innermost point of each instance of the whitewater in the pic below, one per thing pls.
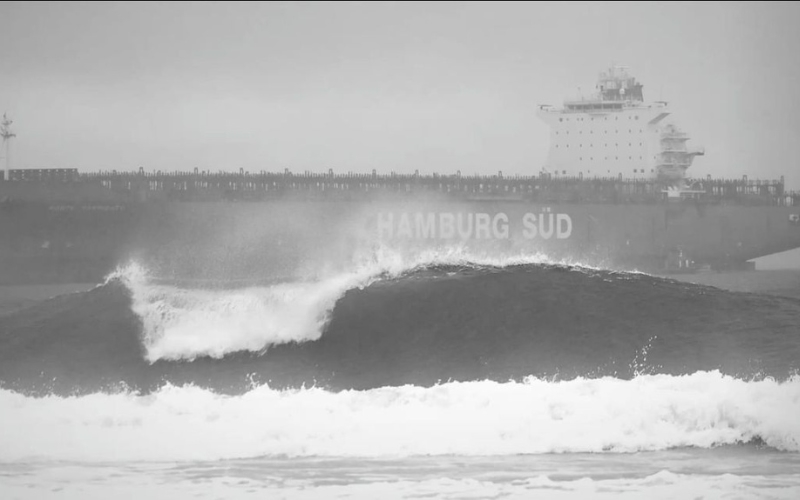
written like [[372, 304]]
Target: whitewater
[[649, 413], [439, 374]]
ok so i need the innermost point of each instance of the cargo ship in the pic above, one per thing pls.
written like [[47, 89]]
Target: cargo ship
[[616, 191]]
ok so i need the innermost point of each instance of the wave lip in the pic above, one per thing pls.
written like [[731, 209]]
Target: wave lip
[[650, 412], [184, 324]]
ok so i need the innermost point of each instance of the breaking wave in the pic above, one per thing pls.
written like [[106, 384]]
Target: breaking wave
[[397, 318], [648, 412], [184, 323]]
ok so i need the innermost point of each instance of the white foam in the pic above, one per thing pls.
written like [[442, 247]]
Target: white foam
[[360, 482], [651, 412]]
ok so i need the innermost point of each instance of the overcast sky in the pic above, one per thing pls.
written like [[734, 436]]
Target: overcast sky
[[437, 87]]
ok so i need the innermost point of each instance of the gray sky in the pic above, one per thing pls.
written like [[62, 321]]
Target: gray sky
[[392, 86]]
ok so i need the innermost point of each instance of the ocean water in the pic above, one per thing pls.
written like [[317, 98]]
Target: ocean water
[[440, 375]]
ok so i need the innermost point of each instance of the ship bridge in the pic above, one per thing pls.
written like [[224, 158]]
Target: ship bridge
[[617, 85], [614, 133], [616, 90]]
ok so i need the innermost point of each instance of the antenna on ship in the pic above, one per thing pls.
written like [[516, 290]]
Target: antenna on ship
[[6, 134]]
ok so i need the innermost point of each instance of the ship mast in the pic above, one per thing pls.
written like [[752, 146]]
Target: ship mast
[[6, 134]]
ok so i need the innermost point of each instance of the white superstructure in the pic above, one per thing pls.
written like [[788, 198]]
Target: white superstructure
[[615, 133]]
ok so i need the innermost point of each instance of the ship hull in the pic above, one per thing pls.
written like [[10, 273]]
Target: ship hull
[[291, 238]]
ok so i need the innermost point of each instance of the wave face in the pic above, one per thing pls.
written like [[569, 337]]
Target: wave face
[[418, 320], [650, 412]]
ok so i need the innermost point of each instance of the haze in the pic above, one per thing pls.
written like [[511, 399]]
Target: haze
[[434, 87]]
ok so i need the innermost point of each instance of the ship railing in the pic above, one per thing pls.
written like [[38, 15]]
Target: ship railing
[[674, 136], [542, 187], [43, 174], [388, 178]]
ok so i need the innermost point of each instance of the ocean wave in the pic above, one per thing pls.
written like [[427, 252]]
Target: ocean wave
[[184, 323], [396, 319], [606, 415]]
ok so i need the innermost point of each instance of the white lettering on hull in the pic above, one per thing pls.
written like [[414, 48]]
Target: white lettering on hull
[[482, 226]]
